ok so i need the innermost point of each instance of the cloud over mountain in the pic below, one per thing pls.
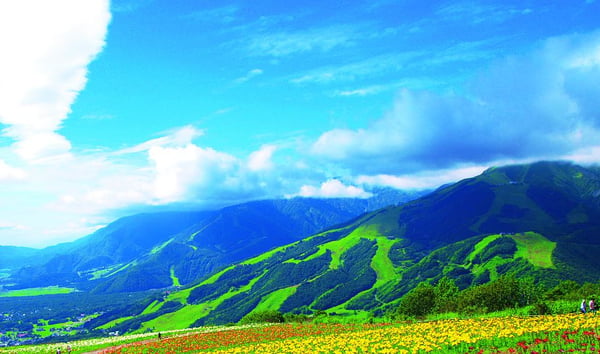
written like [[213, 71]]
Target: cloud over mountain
[[537, 105]]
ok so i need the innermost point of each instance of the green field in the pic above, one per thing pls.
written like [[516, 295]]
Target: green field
[[49, 290]]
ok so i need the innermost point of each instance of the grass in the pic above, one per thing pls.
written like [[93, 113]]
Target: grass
[[339, 247], [174, 278], [107, 272], [274, 300], [381, 263], [114, 322], [159, 248], [180, 319], [481, 245], [49, 290], [186, 316], [153, 307], [535, 248]]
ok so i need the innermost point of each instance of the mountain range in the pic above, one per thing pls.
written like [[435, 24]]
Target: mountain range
[[158, 250], [539, 220]]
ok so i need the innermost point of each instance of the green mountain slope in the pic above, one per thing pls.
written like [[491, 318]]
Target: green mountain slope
[[540, 220], [170, 249]]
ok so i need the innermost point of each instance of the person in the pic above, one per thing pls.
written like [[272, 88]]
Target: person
[[592, 306], [159, 336], [582, 307]]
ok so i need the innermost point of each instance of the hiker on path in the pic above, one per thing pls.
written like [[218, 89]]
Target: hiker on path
[[592, 306], [582, 307]]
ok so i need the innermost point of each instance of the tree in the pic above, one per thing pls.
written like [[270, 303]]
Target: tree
[[268, 316], [418, 302], [446, 293]]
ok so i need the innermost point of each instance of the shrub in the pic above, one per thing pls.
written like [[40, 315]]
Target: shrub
[[418, 302], [268, 316], [540, 308]]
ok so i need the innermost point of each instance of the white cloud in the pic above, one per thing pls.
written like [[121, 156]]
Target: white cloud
[[281, 44], [375, 66], [224, 15], [260, 160], [539, 105], [588, 155], [174, 138], [371, 90], [421, 180], [332, 188], [181, 169], [46, 47], [249, 76], [9, 173]]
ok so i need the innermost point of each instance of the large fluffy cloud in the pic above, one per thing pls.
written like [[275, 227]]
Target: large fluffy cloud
[[542, 105], [46, 47]]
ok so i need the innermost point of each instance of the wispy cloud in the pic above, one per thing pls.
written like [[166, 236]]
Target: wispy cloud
[[249, 76], [375, 66], [410, 83], [365, 91], [225, 14], [479, 13], [401, 65], [282, 44], [124, 6]]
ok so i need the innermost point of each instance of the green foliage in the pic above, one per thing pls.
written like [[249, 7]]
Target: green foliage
[[49, 290], [566, 289], [296, 318], [418, 302], [540, 308], [502, 293], [572, 291], [446, 295], [268, 316], [504, 247], [564, 306], [359, 275]]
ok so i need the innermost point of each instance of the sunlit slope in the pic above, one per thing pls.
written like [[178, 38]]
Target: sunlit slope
[[504, 221]]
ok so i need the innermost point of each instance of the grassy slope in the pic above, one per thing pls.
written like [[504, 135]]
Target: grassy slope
[[531, 246], [49, 290], [274, 300], [174, 278], [535, 248], [186, 316]]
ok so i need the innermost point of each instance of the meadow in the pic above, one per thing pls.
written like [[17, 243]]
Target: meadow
[[523, 334]]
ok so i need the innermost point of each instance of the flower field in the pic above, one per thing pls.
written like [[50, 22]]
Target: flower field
[[539, 334]]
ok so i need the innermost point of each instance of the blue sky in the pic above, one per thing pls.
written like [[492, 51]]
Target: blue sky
[[113, 108]]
